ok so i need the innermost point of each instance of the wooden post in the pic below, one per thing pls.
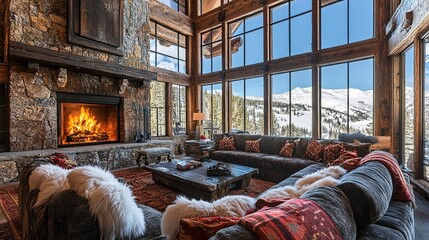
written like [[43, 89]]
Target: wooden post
[[418, 107]]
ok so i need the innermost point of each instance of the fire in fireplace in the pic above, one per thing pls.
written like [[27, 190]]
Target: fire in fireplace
[[87, 119]]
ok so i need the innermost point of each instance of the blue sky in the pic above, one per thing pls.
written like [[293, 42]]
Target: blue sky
[[333, 33]]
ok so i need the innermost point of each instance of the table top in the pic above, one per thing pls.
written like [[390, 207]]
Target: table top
[[198, 177]]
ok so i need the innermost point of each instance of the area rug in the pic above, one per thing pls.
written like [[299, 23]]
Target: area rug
[[140, 181]]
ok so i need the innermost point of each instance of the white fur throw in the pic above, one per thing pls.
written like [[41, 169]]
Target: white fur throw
[[109, 200], [182, 208], [50, 180], [324, 177]]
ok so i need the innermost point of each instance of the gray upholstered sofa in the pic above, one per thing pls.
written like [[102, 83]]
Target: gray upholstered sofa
[[361, 206], [272, 167], [67, 215]]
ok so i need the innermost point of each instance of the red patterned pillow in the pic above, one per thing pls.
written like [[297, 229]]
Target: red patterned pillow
[[314, 151], [332, 152], [348, 160], [204, 227], [252, 146], [287, 150], [227, 144], [348, 155]]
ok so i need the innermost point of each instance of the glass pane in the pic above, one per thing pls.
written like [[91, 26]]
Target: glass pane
[[361, 96], [217, 109], [179, 110], [361, 20], [167, 48], [217, 62], [182, 53], [208, 5], [166, 34], [300, 6], [206, 38], [301, 34], [182, 40], [152, 43], [157, 102], [253, 22], [280, 104], [237, 106], [280, 12], [426, 114], [334, 24], [206, 59], [280, 40], [301, 105], [409, 109], [254, 113], [167, 63], [182, 66], [236, 52], [236, 28], [171, 3], [334, 100], [216, 34], [254, 47], [152, 59]]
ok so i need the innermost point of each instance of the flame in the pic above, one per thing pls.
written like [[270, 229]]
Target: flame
[[83, 123]]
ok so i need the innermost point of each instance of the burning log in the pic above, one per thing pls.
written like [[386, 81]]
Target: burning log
[[87, 136]]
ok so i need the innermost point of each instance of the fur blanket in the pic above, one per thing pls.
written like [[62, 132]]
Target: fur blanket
[[182, 208], [324, 177], [110, 201]]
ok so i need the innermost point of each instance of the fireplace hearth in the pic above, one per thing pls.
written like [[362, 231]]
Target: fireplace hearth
[[87, 119]]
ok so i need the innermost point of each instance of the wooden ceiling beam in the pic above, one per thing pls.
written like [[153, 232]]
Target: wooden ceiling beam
[[171, 18]]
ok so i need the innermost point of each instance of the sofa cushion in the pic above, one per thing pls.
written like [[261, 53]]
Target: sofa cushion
[[377, 232], [234, 232], [361, 149], [349, 138], [250, 159], [287, 150], [240, 140], [203, 228], [287, 165], [227, 144], [301, 146], [314, 151], [369, 189], [252, 146], [273, 144], [337, 206], [400, 217]]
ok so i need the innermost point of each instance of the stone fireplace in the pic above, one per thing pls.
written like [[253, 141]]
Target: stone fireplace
[[87, 119]]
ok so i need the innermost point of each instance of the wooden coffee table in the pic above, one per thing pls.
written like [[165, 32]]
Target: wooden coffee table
[[196, 183]]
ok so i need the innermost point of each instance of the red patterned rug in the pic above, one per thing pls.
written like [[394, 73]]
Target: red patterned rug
[[140, 181]]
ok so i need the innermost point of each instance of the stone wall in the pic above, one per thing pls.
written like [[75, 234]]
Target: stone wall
[[43, 23], [33, 106]]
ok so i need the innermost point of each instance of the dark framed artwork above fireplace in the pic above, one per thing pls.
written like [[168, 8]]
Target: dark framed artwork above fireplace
[[96, 24], [87, 119]]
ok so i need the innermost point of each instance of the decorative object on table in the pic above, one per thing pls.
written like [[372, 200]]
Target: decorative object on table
[[219, 169], [188, 164], [199, 130]]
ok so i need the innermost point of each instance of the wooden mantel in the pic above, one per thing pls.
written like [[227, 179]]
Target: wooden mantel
[[76, 63]]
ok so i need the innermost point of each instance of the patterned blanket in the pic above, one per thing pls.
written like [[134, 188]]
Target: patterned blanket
[[293, 219], [401, 190]]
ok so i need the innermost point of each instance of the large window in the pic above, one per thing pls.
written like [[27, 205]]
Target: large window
[[157, 108], [247, 105], [408, 108], [246, 41], [212, 104], [346, 21], [347, 98], [290, 25], [179, 110], [291, 105], [211, 51], [167, 48], [178, 5]]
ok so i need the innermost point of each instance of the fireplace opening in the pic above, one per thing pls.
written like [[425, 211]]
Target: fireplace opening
[[87, 119]]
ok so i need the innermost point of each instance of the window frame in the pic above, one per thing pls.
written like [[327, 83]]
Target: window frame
[[210, 128], [182, 121]]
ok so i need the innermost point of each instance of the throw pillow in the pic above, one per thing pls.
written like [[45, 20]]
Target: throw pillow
[[227, 144], [287, 150], [301, 146], [332, 152], [362, 149], [204, 227], [252, 146], [314, 151]]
